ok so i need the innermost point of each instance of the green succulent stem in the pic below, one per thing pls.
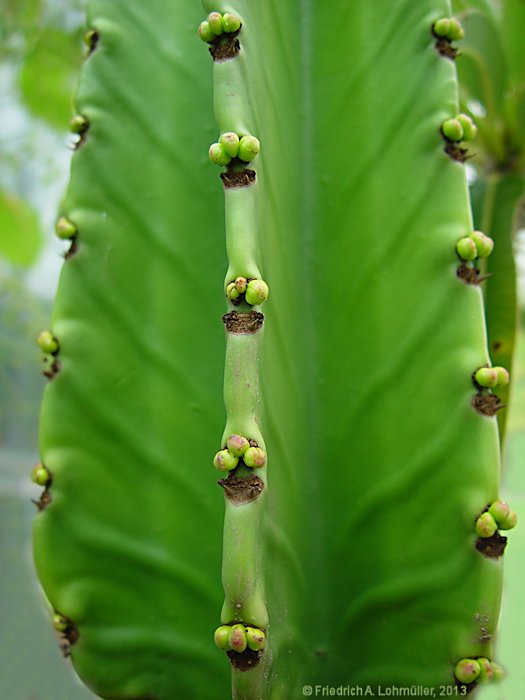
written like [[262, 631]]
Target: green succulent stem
[[241, 232], [242, 577]]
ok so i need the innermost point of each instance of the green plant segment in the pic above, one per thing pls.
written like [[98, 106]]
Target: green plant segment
[[370, 551]]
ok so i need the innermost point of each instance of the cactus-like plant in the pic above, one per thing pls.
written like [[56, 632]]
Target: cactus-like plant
[[361, 542]]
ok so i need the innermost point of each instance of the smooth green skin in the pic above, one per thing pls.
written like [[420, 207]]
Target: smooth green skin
[[484, 244], [249, 147], [40, 475], [218, 155], [466, 249], [230, 22], [455, 31], [142, 360], [47, 342], [205, 32], [130, 547], [65, 228], [255, 638], [221, 636], [452, 129], [78, 124], [225, 461], [486, 525], [254, 457], [486, 377], [237, 444], [230, 143], [442, 27], [469, 128], [256, 292], [215, 22], [467, 670]]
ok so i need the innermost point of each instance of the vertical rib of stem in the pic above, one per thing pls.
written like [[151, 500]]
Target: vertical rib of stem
[[241, 571]]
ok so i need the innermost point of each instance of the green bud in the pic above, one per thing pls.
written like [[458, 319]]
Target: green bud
[[237, 445], [90, 38], [249, 147], [240, 284], [254, 457], [484, 244], [60, 623], [215, 22], [256, 292], [486, 673], [455, 30], [230, 143], [486, 526], [218, 155], [40, 475], [65, 228], [441, 27], [221, 637], [237, 638], [78, 124], [499, 511], [256, 639], [486, 377], [510, 521], [469, 128], [467, 670], [225, 461], [466, 249], [205, 32], [503, 376], [497, 671], [47, 342], [230, 22], [232, 292], [452, 130]]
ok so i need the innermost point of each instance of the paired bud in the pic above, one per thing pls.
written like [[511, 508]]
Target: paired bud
[[503, 515], [475, 245], [60, 623], [448, 28], [230, 145], [65, 228], [486, 526], [78, 124], [467, 670], [249, 147], [256, 292], [40, 475], [47, 342], [238, 638], [486, 673], [237, 447], [484, 244], [225, 461], [216, 24], [460, 128], [254, 457], [490, 377]]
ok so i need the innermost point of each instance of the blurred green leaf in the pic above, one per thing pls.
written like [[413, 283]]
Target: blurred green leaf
[[49, 75], [20, 235]]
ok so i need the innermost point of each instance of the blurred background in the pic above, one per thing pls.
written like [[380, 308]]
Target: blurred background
[[40, 54]]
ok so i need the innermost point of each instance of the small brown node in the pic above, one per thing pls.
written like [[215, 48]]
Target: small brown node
[[232, 179], [44, 500], [470, 274], [53, 369], [225, 46], [73, 247], [487, 404], [492, 547], [245, 661], [243, 324], [456, 152], [444, 47], [239, 490]]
